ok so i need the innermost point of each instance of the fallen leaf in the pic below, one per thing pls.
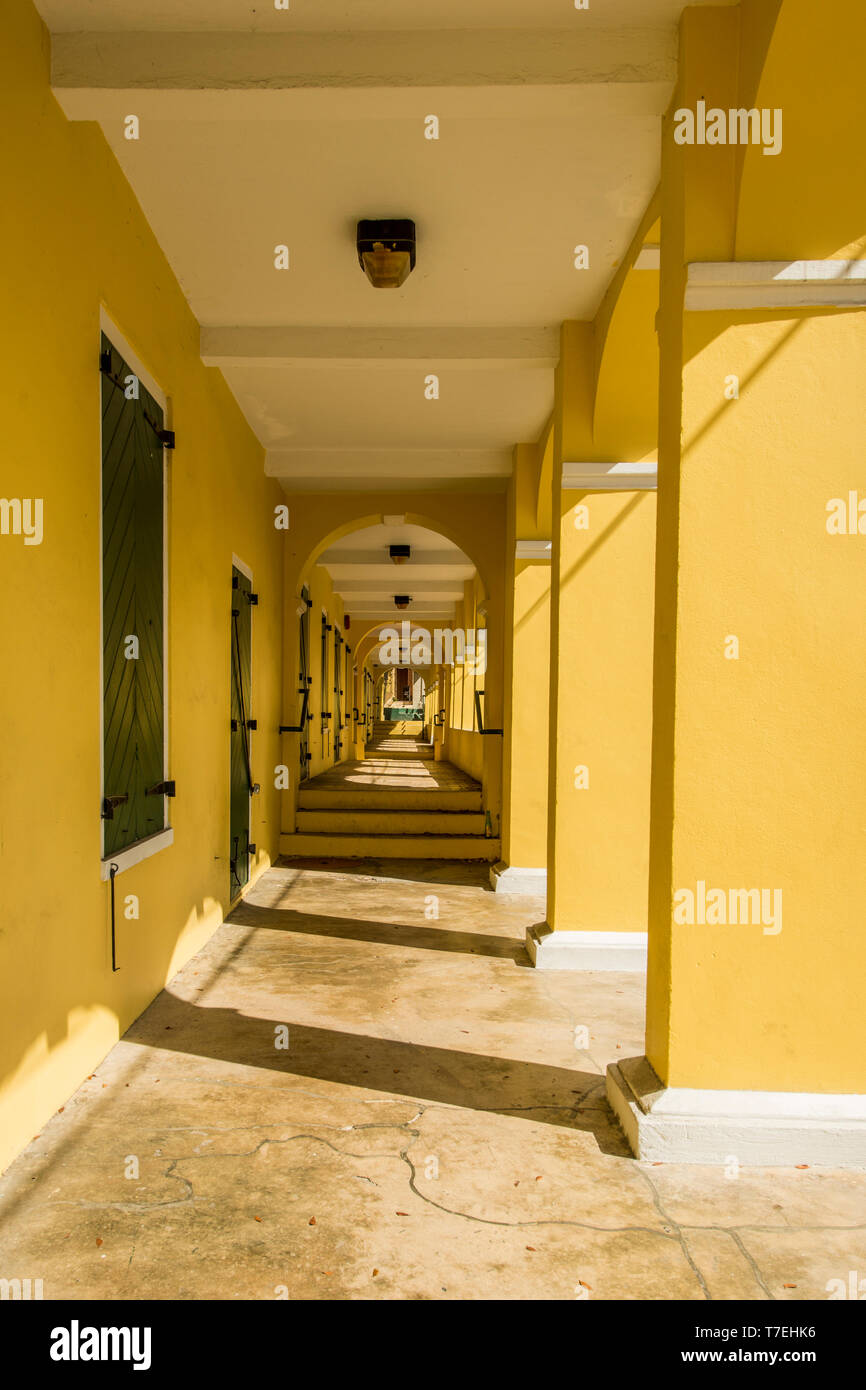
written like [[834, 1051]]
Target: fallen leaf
[[539, 1179], [789, 1286], [257, 1218], [375, 1272], [517, 1184], [61, 1110], [801, 1165], [584, 1285], [401, 1213], [531, 1247], [99, 1240]]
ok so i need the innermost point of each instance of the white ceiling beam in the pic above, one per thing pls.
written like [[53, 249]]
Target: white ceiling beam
[[836, 283], [382, 347], [370, 564], [427, 589], [396, 465], [247, 70]]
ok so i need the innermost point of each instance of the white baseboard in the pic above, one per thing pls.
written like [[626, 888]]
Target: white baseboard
[[671, 1124], [586, 950], [509, 878]]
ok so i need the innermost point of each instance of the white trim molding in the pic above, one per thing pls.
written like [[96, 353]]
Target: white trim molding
[[839, 284], [675, 1124], [142, 849], [533, 550], [585, 950], [516, 882], [609, 477]]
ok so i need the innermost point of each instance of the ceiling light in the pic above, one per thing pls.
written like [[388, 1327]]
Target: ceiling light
[[386, 250], [399, 553], [402, 600]]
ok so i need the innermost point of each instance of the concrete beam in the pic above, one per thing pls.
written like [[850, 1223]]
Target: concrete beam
[[467, 348], [246, 69], [395, 465]]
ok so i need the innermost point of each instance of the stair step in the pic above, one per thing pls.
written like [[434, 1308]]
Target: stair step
[[377, 822], [387, 799], [400, 846]]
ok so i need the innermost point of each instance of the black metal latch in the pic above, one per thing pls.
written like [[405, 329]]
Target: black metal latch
[[161, 789]]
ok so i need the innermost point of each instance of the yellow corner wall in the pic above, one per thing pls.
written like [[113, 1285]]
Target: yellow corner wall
[[758, 760], [77, 240]]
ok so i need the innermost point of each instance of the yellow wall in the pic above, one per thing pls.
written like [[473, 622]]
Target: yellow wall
[[78, 239], [759, 765]]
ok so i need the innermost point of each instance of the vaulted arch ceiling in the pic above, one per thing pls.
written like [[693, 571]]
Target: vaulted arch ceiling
[[367, 579]]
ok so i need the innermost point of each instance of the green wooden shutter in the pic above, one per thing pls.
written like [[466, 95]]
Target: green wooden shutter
[[132, 606], [241, 775]]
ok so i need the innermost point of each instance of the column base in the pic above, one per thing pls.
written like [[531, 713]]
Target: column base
[[526, 883], [676, 1124], [585, 950]]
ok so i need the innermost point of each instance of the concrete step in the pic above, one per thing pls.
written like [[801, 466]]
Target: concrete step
[[424, 753], [387, 799], [317, 846], [376, 822]]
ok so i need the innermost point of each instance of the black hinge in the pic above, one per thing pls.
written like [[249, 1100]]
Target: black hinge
[[110, 802], [161, 789], [166, 437], [252, 723], [254, 599]]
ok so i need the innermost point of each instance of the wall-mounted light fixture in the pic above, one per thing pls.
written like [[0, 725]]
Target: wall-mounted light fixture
[[399, 553], [386, 250], [402, 600]]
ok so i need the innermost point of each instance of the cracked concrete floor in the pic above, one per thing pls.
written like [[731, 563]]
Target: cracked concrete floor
[[430, 1131]]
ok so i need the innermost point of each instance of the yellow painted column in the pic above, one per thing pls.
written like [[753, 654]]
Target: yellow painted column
[[600, 696], [523, 867], [756, 1031]]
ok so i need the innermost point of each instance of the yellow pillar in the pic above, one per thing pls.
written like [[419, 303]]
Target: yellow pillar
[[756, 1031], [600, 691], [523, 867]]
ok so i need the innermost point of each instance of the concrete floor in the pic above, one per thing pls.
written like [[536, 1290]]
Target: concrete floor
[[431, 1131]]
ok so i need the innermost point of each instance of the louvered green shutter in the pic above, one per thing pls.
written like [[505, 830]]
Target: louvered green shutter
[[132, 599]]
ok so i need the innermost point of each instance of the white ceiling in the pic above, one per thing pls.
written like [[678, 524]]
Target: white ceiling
[[549, 138], [367, 578]]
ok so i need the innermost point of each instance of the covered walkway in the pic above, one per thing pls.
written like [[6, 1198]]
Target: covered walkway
[[429, 1130]]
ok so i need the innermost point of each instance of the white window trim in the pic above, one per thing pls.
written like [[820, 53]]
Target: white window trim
[[161, 839]]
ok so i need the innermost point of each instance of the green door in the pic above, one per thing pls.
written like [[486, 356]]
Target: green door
[[241, 774]]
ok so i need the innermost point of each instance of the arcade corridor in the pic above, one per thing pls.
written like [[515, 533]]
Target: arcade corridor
[[429, 1131]]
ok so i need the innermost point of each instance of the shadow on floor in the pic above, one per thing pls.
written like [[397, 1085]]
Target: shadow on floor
[[468, 1080], [466, 943], [458, 873]]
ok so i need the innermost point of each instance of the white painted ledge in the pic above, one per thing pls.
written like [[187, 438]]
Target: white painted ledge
[[533, 550], [586, 950], [837, 284], [767, 1128], [609, 477], [127, 858], [514, 881]]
